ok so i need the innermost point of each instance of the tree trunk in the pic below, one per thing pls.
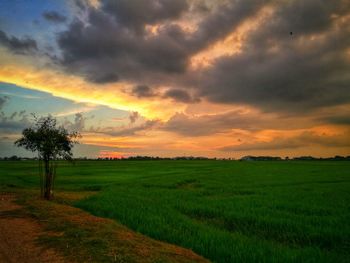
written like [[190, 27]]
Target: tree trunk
[[41, 175], [48, 179]]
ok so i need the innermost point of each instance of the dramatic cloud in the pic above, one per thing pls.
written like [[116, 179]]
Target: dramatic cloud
[[79, 124], [206, 125], [16, 45], [54, 17], [126, 130], [142, 91], [277, 70], [136, 13], [102, 77], [341, 119], [180, 95], [106, 50], [211, 124], [297, 54], [140, 40], [188, 76], [133, 117], [303, 140], [222, 20]]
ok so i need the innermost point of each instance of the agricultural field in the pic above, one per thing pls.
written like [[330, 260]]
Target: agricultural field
[[225, 211]]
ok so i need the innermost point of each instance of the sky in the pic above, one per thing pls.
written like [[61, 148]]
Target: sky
[[224, 78]]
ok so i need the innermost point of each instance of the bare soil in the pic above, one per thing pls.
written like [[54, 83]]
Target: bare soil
[[19, 233]]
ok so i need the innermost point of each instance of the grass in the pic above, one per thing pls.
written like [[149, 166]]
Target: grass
[[81, 237], [224, 211]]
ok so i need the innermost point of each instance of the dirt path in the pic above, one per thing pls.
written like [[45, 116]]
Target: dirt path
[[18, 235], [80, 236]]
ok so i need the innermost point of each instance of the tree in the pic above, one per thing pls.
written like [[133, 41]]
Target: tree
[[51, 142]]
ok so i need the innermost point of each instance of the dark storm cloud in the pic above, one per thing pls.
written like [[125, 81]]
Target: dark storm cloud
[[180, 95], [115, 41], [340, 120], [303, 140], [142, 91], [223, 20], [275, 70], [109, 49], [101, 77], [105, 49], [54, 17], [16, 45], [137, 13]]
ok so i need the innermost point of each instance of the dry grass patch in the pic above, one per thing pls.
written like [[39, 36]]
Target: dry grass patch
[[82, 237]]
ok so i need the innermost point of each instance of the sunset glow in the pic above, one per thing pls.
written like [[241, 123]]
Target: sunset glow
[[201, 78]]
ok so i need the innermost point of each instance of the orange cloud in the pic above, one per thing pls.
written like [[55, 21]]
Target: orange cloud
[[232, 43], [24, 72]]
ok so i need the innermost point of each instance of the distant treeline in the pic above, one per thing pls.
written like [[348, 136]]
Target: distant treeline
[[156, 158], [300, 158]]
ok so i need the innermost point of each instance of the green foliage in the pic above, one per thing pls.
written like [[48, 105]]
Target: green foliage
[[227, 211], [47, 139], [50, 142]]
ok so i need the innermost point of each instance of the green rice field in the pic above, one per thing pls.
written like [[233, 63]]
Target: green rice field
[[226, 211]]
